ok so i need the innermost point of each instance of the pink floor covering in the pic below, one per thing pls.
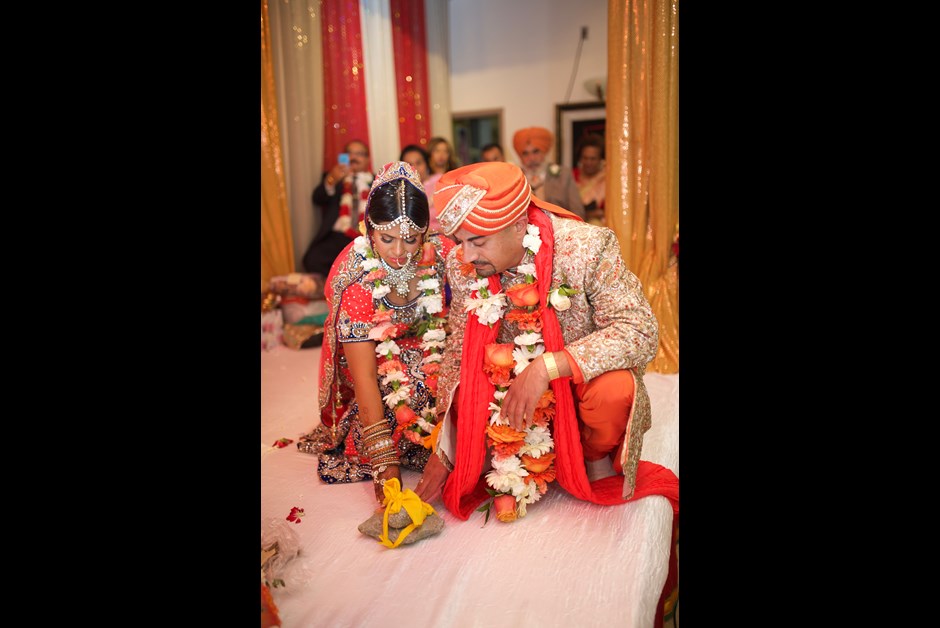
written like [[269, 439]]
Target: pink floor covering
[[567, 563]]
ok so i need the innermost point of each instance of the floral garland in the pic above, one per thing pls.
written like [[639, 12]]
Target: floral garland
[[522, 462], [429, 325], [344, 222]]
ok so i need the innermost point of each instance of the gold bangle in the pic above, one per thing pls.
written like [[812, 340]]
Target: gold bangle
[[379, 445], [549, 359], [373, 434], [330, 181], [376, 471], [376, 428]]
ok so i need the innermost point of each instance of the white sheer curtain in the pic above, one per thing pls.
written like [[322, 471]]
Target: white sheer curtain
[[298, 63], [381, 98], [437, 32]]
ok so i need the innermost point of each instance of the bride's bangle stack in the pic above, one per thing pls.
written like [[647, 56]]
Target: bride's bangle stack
[[380, 447]]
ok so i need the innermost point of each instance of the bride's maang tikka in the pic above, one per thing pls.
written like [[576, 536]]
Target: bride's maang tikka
[[391, 172]]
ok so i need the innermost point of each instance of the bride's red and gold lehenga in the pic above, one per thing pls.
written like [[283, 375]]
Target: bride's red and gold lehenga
[[337, 440]]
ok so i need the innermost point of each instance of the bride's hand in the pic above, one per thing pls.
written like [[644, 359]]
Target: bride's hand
[[392, 471]]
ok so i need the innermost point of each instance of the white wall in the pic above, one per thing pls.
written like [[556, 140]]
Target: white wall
[[519, 55]]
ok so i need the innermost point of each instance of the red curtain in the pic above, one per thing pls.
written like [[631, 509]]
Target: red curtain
[[344, 81], [411, 71]]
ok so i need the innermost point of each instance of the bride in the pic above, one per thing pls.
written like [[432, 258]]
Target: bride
[[383, 340]]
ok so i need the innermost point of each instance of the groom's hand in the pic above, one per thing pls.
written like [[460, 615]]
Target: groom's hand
[[431, 484], [523, 397]]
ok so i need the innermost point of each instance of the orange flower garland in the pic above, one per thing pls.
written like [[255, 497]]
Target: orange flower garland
[[522, 461]]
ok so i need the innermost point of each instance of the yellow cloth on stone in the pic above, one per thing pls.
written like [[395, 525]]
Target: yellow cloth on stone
[[395, 500]]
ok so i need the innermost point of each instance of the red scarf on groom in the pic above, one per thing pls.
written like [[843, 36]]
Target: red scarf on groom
[[465, 489]]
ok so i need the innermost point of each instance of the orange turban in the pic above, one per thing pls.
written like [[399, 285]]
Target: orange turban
[[485, 197], [540, 137]]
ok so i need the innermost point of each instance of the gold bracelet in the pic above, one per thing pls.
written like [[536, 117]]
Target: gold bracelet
[[379, 445], [367, 436], [376, 428], [376, 471], [549, 358], [384, 459]]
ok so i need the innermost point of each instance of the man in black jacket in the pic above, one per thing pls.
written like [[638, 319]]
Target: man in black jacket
[[340, 197]]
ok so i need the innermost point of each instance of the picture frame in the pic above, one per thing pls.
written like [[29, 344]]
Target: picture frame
[[572, 122]]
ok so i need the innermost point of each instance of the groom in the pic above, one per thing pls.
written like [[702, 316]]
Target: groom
[[598, 338]]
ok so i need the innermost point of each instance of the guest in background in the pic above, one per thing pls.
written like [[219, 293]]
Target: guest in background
[[590, 173], [339, 197], [418, 158], [441, 159], [442, 156], [382, 342], [492, 152], [549, 181]]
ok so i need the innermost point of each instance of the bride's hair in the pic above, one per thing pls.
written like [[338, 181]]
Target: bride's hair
[[396, 198]]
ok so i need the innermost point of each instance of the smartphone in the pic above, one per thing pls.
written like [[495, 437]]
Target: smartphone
[[343, 159]]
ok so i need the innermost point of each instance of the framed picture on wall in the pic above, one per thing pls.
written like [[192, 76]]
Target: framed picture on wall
[[573, 122]]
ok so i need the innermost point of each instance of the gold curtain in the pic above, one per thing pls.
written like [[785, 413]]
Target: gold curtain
[[643, 155], [277, 257]]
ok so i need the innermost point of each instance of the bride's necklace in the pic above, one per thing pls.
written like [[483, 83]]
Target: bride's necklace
[[400, 277]]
